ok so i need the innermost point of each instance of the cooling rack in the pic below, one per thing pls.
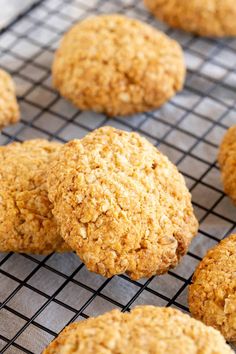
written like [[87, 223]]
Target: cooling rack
[[40, 295]]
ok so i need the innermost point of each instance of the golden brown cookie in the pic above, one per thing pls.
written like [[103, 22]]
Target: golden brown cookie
[[121, 204], [227, 161], [26, 221], [9, 110], [212, 18], [117, 65], [212, 296], [146, 330]]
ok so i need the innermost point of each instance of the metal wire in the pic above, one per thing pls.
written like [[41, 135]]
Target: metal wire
[[40, 295]]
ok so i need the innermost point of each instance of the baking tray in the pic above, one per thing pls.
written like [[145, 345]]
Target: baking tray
[[40, 295]]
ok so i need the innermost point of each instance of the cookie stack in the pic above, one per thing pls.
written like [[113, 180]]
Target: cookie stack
[[112, 197], [123, 207]]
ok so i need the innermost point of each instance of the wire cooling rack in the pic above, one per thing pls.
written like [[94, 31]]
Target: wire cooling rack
[[40, 295]]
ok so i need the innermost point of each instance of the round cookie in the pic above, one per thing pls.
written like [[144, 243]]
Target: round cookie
[[26, 221], [146, 330], [117, 65], [212, 18], [9, 110], [227, 162], [121, 204], [212, 296]]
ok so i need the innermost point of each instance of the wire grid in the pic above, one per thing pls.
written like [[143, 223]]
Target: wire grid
[[40, 295]]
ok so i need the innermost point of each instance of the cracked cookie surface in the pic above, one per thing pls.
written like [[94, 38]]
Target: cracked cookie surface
[[117, 65], [26, 221], [212, 296], [145, 330], [121, 204], [227, 162], [9, 110], [204, 17]]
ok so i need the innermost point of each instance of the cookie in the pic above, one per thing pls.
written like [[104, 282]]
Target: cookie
[[26, 221], [117, 65], [227, 162], [9, 110], [145, 330], [212, 296], [121, 204], [212, 18]]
